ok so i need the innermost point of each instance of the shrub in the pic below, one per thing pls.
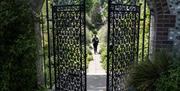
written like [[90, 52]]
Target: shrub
[[89, 56], [95, 31], [96, 17], [102, 33], [143, 75], [88, 37], [89, 5], [89, 24], [89, 51], [17, 47], [169, 81], [90, 47], [103, 52]]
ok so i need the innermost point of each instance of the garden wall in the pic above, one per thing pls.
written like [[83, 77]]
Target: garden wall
[[165, 27]]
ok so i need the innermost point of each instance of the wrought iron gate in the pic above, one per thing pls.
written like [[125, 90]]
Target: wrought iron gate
[[123, 36], [69, 45]]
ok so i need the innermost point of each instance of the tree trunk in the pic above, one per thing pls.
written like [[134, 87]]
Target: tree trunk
[[36, 6], [39, 62]]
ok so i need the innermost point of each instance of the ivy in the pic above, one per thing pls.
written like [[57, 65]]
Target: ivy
[[18, 47]]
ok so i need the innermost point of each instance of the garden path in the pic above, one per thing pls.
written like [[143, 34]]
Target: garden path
[[96, 75], [95, 66]]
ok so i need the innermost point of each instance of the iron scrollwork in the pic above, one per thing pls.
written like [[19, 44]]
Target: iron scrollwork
[[123, 35], [130, 2], [69, 36], [68, 2]]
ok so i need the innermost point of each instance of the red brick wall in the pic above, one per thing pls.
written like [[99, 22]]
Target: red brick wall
[[163, 22]]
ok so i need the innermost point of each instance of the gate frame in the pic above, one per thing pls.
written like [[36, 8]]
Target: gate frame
[[82, 46], [109, 45], [49, 54]]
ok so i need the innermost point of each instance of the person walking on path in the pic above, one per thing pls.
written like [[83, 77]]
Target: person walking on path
[[95, 41]]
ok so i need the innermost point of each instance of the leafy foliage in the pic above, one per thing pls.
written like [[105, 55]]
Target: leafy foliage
[[102, 33], [18, 47], [88, 47], [142, 78], [89, 5], [169, 81], [96, 15], [103, 52], [159, 75], [89, 56]]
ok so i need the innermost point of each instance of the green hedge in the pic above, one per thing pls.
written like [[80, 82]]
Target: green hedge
[[17, 47]]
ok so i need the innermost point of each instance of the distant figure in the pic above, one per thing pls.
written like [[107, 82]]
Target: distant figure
[[95, 41]]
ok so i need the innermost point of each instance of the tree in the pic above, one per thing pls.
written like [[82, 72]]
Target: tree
[[19, 24], [36, 6]]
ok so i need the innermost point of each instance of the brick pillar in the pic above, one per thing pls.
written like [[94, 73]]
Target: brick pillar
[[163, 24], [164, 20]]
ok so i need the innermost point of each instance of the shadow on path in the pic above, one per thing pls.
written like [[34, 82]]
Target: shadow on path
[[96, 82]]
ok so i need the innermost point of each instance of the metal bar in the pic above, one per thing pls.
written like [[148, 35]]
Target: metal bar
[[54, 48], [149, 33], [134, 38], [76, 11], [137, 59], [58, 48], [67, 5], [144, 26], [123, 4], [113, 49], [44, 54], [81, 46], [124, 11], [47, 16], [108, 38], [85, 43]]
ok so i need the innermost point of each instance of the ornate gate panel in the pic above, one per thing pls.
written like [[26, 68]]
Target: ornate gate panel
[[123, 36], [69, 45]]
